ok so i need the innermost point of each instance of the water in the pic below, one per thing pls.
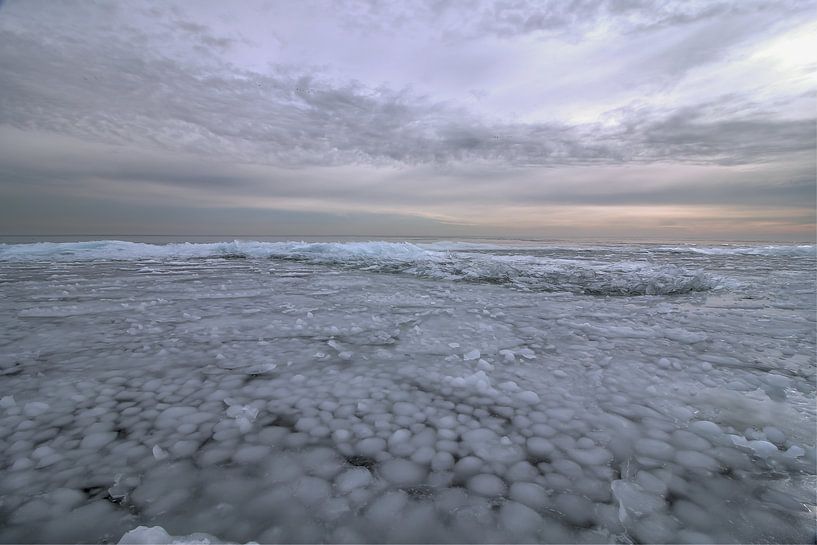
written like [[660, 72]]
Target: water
[[472, 391]]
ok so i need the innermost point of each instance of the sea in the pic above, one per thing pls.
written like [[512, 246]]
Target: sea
[[411, 390]]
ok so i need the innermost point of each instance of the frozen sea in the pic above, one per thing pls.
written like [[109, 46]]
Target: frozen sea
[[356, 392]]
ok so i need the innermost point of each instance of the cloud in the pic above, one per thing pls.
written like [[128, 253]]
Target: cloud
[[127, 97], [45, 162], [570, 20], [167, 103]]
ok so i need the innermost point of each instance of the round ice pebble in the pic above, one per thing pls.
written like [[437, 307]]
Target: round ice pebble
[[521, 471], [705, 427], [35, 408], [97, 440], [595, 456], [654, 528], [399, 436], [576, 509], [698, 460], [519, 519], [386, 509], [370, 446], [774, 435], [486, 484], [539, 447], [655, 448], [402, 472], [405, 409], [763, 449], [311, 490], [183, 449], [66, 498], [795, 451], [251, 454], [35, 509], [467, 466], [531, 398], [424, 455], [353, 478], [442, 461], [530, 494]]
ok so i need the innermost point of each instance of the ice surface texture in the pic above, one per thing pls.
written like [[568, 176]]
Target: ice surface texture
[[300, 399], [534, 272]]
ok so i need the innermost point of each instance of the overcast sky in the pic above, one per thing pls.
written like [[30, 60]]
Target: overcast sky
[[553, 119]]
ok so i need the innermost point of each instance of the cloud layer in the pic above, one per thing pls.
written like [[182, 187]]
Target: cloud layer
[[251, 109]]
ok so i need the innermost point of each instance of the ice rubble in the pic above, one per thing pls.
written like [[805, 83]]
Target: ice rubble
[[527, 272], [213, 397], [156, 535], [791, 250]]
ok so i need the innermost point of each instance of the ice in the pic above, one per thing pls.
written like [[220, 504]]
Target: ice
[[795, 451], [34, 408], [251, 454], [705, 427], [531, 398], [655, 448], [507, 355], [97, 440], [520, 519], [764, 449], [774, 435], [311, 490], [595, 456], [539, 447], [576, 509], [486, 484], [158, 452], [547, 274], [403, 472], [203, 389], [770, 250], [531, 494], [370, 446], [156, 535], [404, 408], [76, 526], [634, 501], [471, 355], [352, 479]]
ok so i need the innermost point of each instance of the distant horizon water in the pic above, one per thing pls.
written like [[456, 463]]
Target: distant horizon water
[[170, 238]]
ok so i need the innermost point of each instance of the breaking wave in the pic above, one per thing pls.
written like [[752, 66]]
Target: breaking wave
[[524, 272]]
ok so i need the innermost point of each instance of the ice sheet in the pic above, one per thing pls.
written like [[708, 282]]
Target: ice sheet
[[286, 400]]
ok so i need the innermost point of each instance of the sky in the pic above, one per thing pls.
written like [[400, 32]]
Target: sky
[[559, 119]]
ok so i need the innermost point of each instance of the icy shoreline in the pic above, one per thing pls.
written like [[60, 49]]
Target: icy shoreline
[[283, 401]]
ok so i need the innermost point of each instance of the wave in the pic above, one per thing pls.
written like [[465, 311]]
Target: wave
[[790, 250], [522, 272]]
